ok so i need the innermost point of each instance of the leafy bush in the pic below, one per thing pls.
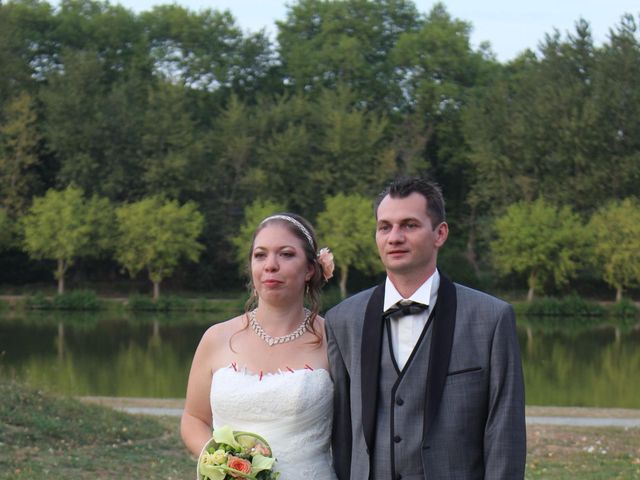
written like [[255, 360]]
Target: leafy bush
[[77, 300], [168, 303], [578, 306], [571, 306], [566, 324], [38, 301], [231, 306], [142, 303], [625, 308], [171, 303], [204, 305]]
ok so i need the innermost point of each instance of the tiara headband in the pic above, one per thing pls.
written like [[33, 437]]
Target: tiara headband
[[298, 225], [325, 257]]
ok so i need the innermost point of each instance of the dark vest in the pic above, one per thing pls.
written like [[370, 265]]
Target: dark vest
[[401, 401]]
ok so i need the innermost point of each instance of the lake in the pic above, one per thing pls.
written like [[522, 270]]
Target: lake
[[567, 362]]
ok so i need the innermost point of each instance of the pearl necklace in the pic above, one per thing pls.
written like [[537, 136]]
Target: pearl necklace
[[271, 341]]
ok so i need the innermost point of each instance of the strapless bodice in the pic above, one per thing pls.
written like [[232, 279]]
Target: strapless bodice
[[292, 410]]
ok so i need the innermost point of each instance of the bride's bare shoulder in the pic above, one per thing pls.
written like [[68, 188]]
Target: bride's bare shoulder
[[221, 332]]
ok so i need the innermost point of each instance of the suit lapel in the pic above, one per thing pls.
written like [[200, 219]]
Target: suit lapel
[[443, 326], [372, 330]]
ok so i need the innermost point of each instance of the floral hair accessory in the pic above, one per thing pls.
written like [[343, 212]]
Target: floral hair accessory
[[325, 259]]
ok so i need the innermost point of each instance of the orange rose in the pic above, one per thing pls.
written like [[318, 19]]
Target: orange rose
[[239, 464]]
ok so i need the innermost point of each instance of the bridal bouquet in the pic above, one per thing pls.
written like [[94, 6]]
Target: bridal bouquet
[[232, 455]]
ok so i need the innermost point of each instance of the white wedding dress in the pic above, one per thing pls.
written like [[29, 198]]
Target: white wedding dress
[[291, 410]]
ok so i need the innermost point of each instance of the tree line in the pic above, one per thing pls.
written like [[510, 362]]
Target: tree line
[[172, 105], [155, 234]]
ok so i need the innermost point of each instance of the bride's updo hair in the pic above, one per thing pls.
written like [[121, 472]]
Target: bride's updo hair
[[303, 230]]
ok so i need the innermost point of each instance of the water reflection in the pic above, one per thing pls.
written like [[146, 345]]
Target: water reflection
[[141, 357], [577, 364], [589, 366]]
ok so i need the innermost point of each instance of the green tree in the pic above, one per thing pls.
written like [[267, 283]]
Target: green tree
[[328, 43], [6, 230], [155, 234], [354, 152], [615, 235], [232, 144], [438, 71], [618, 109], [540, 240], [205, 50], [112, 32], [253, 215], [64, 226], [19, 143], [26, 45], [94, 126], [536, 130], [287, 157], [308, 149], [347, 227], [94, 94], [563, 123], [169, 143]]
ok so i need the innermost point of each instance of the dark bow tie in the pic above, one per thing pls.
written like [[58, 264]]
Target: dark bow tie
[[405, 307]]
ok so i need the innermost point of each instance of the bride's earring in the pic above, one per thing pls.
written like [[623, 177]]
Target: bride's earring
[[254, 297], [306, 289]]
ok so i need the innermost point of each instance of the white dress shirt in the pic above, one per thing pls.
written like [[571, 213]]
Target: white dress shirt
[[406, 330]]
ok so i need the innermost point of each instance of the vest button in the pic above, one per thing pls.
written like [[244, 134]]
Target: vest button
[[397, 439], [399, 401]]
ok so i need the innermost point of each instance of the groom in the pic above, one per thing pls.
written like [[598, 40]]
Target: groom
[[431, 389]]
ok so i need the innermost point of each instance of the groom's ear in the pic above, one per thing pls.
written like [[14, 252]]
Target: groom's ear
[[441, 234]]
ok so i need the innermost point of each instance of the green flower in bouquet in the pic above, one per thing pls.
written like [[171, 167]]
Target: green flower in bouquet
[[231, 455]]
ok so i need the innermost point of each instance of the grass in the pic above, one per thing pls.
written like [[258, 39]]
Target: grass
[[44, 436], [587, 453]]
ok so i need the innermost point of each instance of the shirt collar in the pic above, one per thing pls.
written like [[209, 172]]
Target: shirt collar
[[426, 294]]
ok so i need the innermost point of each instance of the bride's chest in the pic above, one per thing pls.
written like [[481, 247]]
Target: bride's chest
[[297, 393]]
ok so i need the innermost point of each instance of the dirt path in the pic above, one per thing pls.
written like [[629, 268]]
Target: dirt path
[[133, 402], [587, 412], [530, 410], [574, 416]]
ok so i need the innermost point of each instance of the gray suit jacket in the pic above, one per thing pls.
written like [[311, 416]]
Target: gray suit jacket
[[474, 425]]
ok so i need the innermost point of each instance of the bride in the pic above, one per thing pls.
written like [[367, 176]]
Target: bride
[[266, 371]]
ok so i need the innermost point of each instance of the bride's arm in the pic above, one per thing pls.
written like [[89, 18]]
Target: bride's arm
[[196, 423]]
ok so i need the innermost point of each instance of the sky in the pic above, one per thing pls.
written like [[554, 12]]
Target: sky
[[510, 26]]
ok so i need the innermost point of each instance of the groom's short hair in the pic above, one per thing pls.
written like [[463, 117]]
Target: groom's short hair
[[405, 186]]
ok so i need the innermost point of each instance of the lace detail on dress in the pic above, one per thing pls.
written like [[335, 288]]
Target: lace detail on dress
[[292, 410]]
